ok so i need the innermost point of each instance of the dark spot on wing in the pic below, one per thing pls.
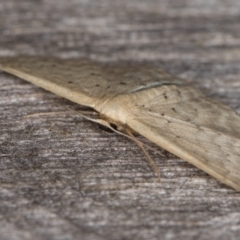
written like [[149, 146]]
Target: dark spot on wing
[[174, 109], [123, 83], [95, 74], [70, 82], [179, 92], [97, 85], [165, 96], [162, 114], [218, 146]]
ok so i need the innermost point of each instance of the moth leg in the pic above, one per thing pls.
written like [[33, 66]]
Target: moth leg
[[150, 160], [128, 135]]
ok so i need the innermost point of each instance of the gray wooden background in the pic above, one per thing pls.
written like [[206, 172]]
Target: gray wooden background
[[64, 178]]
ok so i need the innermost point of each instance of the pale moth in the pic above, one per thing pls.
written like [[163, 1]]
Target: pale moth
[[147, 100]]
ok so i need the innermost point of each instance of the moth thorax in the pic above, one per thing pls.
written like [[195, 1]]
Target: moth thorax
[[113, 108]]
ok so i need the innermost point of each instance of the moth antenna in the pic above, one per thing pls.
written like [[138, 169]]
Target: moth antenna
[[83, 112], [43, 113], [88, 111]]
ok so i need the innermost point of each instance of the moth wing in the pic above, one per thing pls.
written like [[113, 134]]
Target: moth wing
[[83, 81], [177, 118], [197, 129]]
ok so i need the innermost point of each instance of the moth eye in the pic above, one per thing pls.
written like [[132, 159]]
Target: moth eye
[[114, 126]]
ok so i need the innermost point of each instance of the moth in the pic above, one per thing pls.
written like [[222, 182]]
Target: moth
[[149, 101]]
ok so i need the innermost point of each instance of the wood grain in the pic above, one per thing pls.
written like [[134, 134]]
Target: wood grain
[[63, 177]]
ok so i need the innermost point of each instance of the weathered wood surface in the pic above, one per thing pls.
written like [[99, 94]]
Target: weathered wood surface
[[63, 177]]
